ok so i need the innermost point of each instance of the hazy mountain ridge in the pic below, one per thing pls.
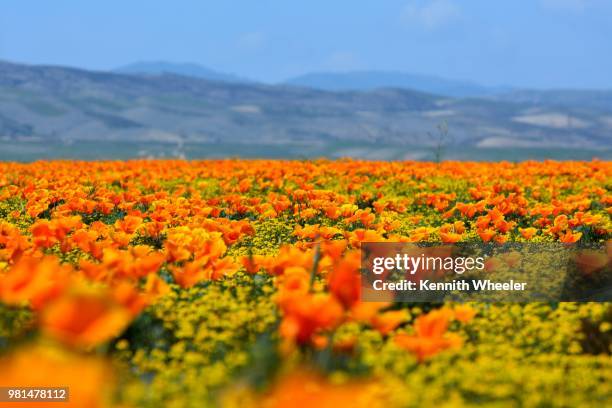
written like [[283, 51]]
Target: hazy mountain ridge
[[64, 104], [185, 69], [369, 80]]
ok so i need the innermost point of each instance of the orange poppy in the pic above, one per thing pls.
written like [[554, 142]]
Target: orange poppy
[[84, 317]]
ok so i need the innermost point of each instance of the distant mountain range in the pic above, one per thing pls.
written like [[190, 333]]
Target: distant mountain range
[[369, 80], [184, 69], [329, 81], [60, 104], [373, 80]]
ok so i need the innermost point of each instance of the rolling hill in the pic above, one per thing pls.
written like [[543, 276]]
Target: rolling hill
[[64, 105]]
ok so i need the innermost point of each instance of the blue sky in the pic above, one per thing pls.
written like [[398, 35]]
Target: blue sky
[[530, 43]]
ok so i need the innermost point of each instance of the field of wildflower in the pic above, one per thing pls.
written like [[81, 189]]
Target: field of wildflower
[[236, 283]]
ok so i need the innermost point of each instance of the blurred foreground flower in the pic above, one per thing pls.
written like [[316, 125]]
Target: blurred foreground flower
[[306, 389], [431, 336], [85, 317], [89, 379], [34, 281]]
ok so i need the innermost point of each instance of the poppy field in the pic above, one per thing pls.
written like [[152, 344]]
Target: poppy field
[[235, 283]]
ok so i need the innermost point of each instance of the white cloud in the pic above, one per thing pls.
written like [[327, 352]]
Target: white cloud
[[252, 41], [430, 14]]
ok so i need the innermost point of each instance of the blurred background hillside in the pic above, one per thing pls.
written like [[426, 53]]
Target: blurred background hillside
[[409, 80]]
